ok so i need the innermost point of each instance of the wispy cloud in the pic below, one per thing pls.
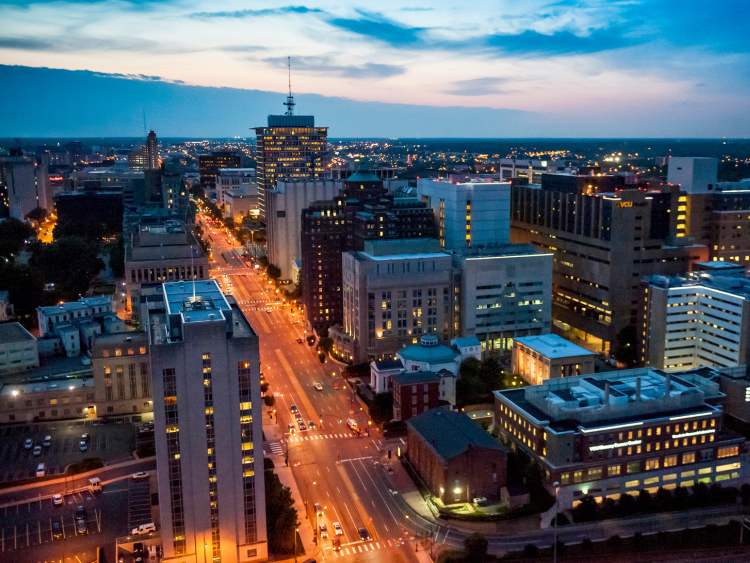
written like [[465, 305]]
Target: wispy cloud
[[378, 27], [80, 43], [478, 86], [257, 13], [328, 66], [560, 43]]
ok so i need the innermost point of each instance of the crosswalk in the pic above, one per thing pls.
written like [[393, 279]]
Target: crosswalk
[[312, 437], [275, 448], [363, 547]]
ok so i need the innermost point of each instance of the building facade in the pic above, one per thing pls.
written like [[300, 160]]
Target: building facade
[[602, 244], [122, 381], [237, 181], [414, 392], [701, 319], [693, 174], [209, 441], [210, 164], [18, 349], [539, 358], [607, 434]]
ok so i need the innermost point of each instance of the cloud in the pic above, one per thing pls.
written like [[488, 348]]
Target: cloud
[[478, 86], [560, 43], [25, 43], [378, 27], [327, 65], [72, 43], [257, 13], [143, 77]]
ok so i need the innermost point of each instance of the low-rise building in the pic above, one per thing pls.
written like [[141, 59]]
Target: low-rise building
[[70, 327], [414, 392], [619, 432], [122, 381], [539, 358], [455, 457], [55, 399], [18, 350]]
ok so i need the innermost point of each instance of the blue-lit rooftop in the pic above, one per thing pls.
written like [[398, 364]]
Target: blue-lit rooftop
[[197, 301]]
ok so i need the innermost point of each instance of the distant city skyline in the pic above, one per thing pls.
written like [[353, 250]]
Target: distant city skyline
[[564, 68]]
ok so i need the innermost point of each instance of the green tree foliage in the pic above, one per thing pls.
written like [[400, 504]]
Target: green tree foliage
[[13, 233], [475, 547], [477, 380], [25, 288], [273, 271], [626, 349], [71, 263], [281, 516], [116, 252]]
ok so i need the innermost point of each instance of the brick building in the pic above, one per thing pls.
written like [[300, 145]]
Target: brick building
[[414, 393]]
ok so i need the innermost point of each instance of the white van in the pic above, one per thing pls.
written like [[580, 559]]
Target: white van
[[41, 470], [95, 485]]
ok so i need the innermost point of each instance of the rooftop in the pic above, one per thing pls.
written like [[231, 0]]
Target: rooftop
[[728, 282], [451, 433], [72, 384], [50, 368], [82, 303], [14, 332], [553, 346], [414, 377], [464, 341], [201, 300], [428, 350]]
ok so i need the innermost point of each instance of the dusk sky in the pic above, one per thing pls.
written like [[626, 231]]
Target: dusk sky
[[586, 67]]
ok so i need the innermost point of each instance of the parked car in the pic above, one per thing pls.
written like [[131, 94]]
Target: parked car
[[41, 470], [479, 501], [143, 529], [318, 386], [337, 529], [83, 446], [28, 443], [139, 476], [57, 531], [47, 442], [323, 531], [37, 450], [58, 500]]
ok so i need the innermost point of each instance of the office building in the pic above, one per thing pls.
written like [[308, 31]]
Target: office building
[[393, 292], [24, 184], [539, 358], [468, 214], [70, 327], [692, 174], [456, 459], [364, 211], [67, 395], [699, 319], [122, 381], [207, 418], [621, 432], [210, 164], [18, 350], [153, 162], [237, 181], [290, 147], [602, 245], [582, 183], [284, 219], [159, 251], [503, 293], [529, 168]]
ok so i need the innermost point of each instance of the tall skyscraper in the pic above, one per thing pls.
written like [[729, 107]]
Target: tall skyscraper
[[152, 151], [209, 441], [23, 182], [210, 164], [290, 147]]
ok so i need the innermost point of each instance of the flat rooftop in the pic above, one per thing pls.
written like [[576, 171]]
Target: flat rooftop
[[196, 301], [51, 368], [14, 332], [82, 303], [553, 346], [62, 384]]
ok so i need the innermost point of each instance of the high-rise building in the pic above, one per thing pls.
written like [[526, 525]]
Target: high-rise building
[[290, 148], [152, 152], [23, 182], [210, 164], [693, 174], [209, 441], [603, 244], [700, 319], [469, 214], [329, 228]]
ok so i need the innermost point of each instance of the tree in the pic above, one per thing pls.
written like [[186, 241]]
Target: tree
[[69, 262], [274, 271], [13, 233], [269, 400], [626, 350], [281, 516], [25, 288], [475, 547], [325, 343], [587, 510], [36, 214], [116, 252]]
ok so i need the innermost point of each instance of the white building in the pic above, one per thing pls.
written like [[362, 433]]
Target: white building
[[239, 181], [693, 174], [284, 219], [696, 320], [546, 356], [505, 293], [18, 350], [469, 215], [71, 327], [25, 184], [209, 441]]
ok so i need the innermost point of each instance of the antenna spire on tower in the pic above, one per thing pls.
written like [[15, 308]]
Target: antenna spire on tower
[[289, 99]]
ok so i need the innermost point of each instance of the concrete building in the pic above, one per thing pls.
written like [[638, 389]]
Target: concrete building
[[693, 174], [700, 319], [618, 432], [504, 292], [289, 147], [602, 244], [209, 441], [238, 181], [284, 219], [414, 392], [547, 356], [122, 381], [455, 457], [470, 214], [239, 206], [18, 350], [210, 164], [18, 177], [529, 168], [393, 292], [164, 250], [67, 396]]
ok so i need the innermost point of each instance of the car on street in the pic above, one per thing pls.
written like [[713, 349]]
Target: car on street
[[323, 530], [28, 443], [143, 529], [37, 450], [85, 437], [299, 341], [139, 476], [364, 535], [337, 529], [41, 470], [318, 386], [311, 424], [336, 544], [479, 501], [318, 508], [294, 408], [58, 500], [83, 446], [302, 427], [47, 442], [57, 531]]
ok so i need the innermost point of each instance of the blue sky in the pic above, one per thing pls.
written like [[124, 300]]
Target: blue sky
[[584, 67]]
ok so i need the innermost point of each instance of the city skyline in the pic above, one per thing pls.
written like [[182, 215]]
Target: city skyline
[[531, 69]]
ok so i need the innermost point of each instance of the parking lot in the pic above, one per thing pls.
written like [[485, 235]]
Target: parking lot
[[109, 442]]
